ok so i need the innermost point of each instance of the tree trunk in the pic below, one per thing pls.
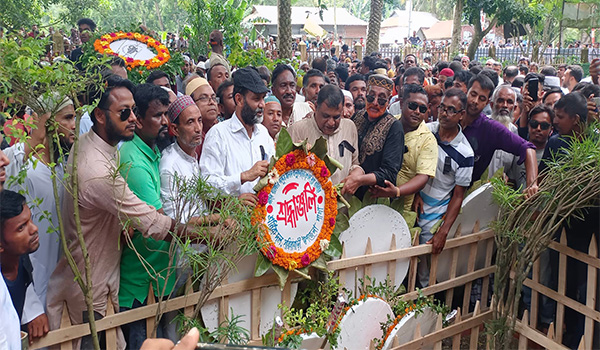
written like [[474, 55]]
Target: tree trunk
[[284, 29], [456, 27], [478, 35], [160, 21], [374, 26]]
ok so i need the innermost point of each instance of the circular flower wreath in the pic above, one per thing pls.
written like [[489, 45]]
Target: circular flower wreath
[[102, 46], [405, 312], [297, 159]]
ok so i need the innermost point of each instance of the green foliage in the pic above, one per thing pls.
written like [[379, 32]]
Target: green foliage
[[228, 332], [208, 15]]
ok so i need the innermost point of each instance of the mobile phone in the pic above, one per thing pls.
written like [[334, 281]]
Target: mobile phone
[[597, 102], [532, 86]]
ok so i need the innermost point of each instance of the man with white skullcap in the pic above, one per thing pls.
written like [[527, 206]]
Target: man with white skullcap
[[37, 185]]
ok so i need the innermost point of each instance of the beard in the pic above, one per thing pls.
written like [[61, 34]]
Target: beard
[[113, 134], [504, 116], [250, 116], [359, 104]]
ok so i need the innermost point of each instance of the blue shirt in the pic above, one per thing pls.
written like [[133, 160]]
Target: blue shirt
[[18, 287]]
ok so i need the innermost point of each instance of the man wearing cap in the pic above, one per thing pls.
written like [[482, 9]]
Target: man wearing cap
[[146, 261], [105, 202], [185, 71], [380, 139], [205, 98], [37, 186], [339, 132], [236, 152], [443, 76], [215, 40], [180, 158], [272, 116], [201, 69], [348, 111]]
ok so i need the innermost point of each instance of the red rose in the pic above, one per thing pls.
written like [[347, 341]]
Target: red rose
[[263, 197], [271, 252], [324, 171], [331, 221], [305, 260], [290, 159]]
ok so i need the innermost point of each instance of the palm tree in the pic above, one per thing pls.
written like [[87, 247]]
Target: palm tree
[[284, 28], [374, 26]]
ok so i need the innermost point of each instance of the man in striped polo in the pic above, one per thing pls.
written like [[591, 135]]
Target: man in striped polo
[[442, 196]]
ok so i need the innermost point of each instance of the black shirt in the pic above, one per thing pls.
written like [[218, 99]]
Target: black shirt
[[18, 287], [381, 147]]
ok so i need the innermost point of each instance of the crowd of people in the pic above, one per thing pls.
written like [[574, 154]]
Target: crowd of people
[[416, 132]]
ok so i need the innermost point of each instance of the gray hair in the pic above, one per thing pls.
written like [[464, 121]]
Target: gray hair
[[500, 88]]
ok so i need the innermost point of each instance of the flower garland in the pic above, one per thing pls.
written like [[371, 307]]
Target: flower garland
[[297, 159], [401, 315], [102, 46], [352, 303]]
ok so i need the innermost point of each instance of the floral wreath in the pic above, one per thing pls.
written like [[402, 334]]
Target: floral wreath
[[297, 159], [102, 45]]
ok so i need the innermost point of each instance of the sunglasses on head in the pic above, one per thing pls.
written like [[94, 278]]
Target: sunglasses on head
[[413, 106], [534, 124], [380, 101]]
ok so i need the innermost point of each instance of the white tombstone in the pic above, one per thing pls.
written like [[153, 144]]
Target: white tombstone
[[380, 223], [405, 329], [362, 323], [478, 206]]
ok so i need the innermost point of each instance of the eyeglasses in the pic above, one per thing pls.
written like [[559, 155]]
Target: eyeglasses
[[206, 98], [413, 107], [450, 111], [534, 124], [124, 113], [380, 101]]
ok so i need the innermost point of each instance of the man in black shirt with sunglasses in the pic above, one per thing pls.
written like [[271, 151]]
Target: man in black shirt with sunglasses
[[380, 139]]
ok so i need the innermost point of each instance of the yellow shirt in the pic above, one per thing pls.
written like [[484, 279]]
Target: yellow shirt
[[421, 158]]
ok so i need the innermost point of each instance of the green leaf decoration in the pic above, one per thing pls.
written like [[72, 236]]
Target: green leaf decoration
[[320, 148], [264, 181], [368, 199], [355, 205], [262, 265], [436, 226], [303, 272], [383, 201], [320, 263], [332, 164], [282, 274], [410, 217], [397, 205], [335, 248], [414, 232], [341, 224], [303, 145], [284, 144]]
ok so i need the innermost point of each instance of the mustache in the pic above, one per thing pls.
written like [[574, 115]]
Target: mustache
[[288, 96]]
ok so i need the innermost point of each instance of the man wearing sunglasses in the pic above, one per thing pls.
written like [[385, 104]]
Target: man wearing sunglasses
[[421, 151], [380, 139], [105, 202]]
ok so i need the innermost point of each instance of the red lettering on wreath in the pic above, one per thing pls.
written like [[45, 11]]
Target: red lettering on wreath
[[298, 206]]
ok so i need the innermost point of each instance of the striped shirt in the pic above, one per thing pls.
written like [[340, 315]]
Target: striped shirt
[[454, 168]]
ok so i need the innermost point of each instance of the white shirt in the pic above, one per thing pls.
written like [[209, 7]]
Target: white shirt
[[228, 151], [85, 124], [10, 332], [299, 111], [175, 162], [38, 184]]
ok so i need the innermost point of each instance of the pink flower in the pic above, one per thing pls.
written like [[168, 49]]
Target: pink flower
[[129, 59], [310, 160], [113, 35], [290, 158], [324, 171], [263, 197], [331, 221], [305, 260], [271, 252]]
